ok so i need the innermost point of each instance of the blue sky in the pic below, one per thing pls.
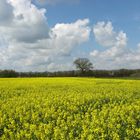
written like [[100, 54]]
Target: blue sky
[[41, 35], [124, 14]]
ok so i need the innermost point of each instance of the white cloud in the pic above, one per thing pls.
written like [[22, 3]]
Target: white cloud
[[29, 44], [70, 35], [106, 36], [115, 54], [94, 53], [121, 39], [28, 24]]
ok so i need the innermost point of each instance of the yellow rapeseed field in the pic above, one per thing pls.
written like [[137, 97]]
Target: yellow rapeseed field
[[69, 109]]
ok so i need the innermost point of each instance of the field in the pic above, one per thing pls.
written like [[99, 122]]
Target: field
[[69, 109]]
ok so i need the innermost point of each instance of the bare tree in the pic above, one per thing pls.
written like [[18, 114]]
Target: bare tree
[[83, 64]]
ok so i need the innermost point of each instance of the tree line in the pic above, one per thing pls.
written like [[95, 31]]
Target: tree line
[[84, 69], [73, 73]]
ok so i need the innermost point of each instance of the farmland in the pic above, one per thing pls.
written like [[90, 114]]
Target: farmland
[[69, 109]]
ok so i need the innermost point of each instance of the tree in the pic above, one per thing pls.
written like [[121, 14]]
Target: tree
[[83, 64], [8, 73]]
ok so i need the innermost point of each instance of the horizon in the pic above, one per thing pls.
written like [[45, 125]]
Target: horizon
[[44, 35], [1, 70]]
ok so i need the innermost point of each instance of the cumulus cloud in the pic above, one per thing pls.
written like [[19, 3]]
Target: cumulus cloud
[[64, 38], [70, 35], [27, 43], [116, 54], [106, 36], [28, 22]]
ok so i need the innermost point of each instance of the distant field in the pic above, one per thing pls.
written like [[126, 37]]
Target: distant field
[[69, 109]]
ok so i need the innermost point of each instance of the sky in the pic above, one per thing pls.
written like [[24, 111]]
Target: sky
[[48, 35]]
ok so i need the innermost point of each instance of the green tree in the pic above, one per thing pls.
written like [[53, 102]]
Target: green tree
[[83, 64]]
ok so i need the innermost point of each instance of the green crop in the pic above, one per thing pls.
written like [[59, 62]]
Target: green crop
[[69, 109]]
